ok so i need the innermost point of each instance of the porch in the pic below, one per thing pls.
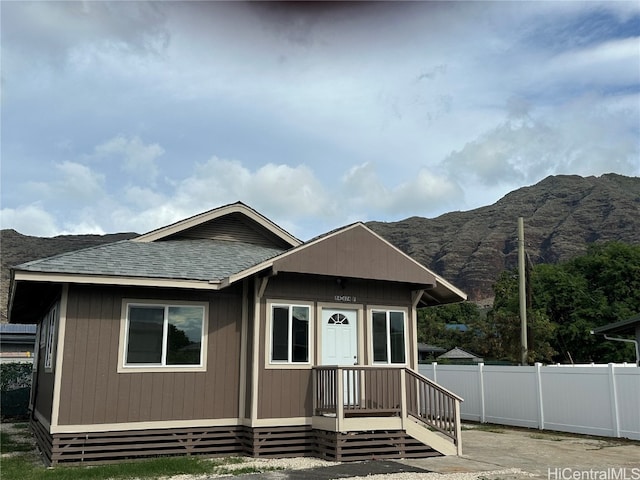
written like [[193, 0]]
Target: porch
[[350, 399]]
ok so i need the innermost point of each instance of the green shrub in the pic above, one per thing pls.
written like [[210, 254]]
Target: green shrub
[[15, 375]]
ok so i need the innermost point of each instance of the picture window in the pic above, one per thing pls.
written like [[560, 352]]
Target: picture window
[[164, 335]]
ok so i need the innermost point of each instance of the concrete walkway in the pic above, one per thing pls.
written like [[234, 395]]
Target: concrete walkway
[[543, 454]]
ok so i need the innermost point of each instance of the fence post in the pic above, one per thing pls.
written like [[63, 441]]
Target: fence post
[[435, 374], [481, 390], [538, 373], [613, 395]]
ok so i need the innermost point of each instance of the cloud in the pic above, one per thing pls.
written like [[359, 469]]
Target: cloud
[[137, 157], [318, 114], [280, 189], [70, 182], [363, 190], [30, 219], [607, 64], [50, 31], [589, 136]]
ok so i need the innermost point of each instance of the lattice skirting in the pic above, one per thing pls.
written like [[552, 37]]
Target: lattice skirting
[[265, 442], [375, 445]]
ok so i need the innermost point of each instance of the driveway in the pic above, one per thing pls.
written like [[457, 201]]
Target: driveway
[[542, 454]]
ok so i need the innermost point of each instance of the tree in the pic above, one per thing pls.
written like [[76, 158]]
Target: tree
[[569, 300], [566, 301], [502, 332]]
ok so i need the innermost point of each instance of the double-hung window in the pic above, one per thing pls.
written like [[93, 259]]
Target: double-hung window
[[164, 335], [290, 334], [388, 331]]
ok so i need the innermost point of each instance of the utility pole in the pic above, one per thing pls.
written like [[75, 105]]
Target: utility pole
[[523, 293]]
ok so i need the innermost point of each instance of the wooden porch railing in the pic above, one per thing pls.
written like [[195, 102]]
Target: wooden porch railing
[[434, 405], [363, 390], [372, 391]]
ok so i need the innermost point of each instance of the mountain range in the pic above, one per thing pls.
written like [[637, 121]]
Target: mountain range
[[562, 215]]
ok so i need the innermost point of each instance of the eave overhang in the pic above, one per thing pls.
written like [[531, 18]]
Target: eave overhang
[[116, 280]]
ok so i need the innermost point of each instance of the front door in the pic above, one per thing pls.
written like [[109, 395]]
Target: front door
[[339, 337], [340, 347]]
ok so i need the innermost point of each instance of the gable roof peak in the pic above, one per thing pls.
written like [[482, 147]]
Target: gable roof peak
[[213, 215]]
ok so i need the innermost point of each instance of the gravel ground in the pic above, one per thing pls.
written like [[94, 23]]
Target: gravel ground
[[492, 474], [290, 466]]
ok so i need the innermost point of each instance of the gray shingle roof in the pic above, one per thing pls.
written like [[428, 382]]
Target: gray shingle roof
[[179, 259]]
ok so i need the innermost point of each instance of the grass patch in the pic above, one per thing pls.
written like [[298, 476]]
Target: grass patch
[[545, 436], [243, 470], [485, 427], [24, 467], [21, 462], [8, 444]]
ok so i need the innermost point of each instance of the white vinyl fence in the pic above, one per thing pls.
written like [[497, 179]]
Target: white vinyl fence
[[588, 399]]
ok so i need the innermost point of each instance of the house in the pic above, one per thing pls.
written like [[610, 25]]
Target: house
[[629, 327], [427, 352], [17, 343], [223, 334], [459, 355]]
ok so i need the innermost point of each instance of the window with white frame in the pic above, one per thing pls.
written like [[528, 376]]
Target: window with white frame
[[49, 322], [388, 331], [290, 333], [164, 335]]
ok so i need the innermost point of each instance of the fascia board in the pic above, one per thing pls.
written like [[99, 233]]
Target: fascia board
[[246, 273], [114, 280]]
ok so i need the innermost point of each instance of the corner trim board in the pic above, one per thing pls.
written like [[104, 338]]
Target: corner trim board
[[57, 382]]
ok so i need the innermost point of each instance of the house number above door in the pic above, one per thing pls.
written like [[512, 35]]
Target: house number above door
[[344, 298]]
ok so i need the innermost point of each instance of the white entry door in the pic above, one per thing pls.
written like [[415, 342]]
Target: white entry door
[[340, 347], [339, 337]]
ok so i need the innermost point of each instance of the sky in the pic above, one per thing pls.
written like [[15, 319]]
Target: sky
[[127, 116]]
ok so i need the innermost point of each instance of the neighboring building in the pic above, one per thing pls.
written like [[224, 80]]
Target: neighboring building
[[629, 327], [458, 355], [17, 343], [223, 334], [428, 352], [458, 327]]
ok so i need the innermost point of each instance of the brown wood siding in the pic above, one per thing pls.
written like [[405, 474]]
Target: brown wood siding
[[233, 227], [285, 393], [357, 253], [93, 392]]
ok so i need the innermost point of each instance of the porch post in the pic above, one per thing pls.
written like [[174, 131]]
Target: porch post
[[339, 398], [403, 397], [458, 429]]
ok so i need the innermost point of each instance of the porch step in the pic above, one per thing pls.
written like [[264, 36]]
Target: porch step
[[435, 440]]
